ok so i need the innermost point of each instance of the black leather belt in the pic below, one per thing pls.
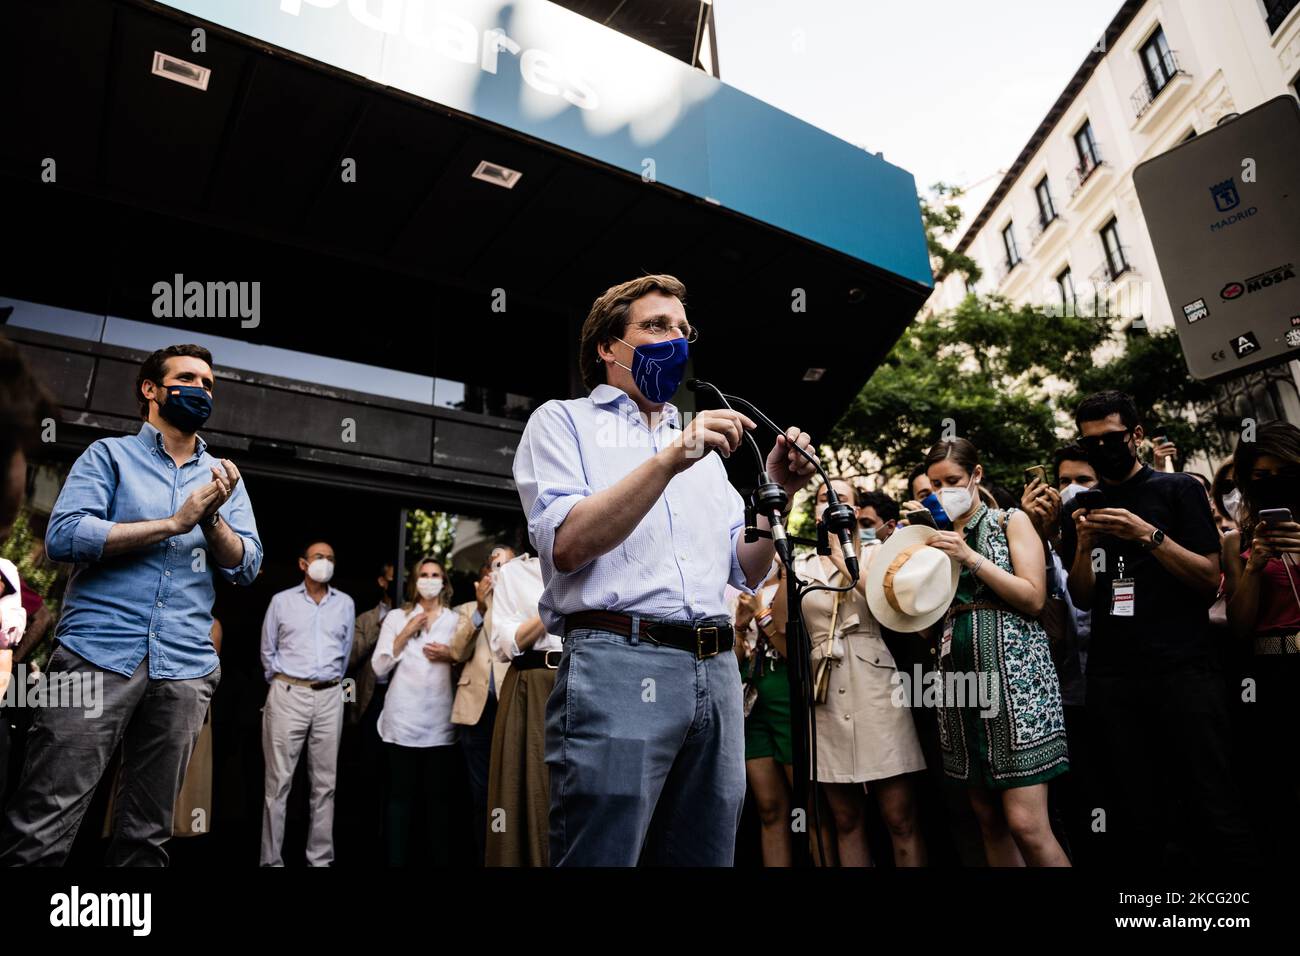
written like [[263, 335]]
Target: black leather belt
[[703, 641], [531, 660], [304, 682]]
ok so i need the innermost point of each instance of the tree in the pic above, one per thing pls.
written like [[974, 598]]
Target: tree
[[941, 218], [984, 371], [1007, 377], [1152, 369]]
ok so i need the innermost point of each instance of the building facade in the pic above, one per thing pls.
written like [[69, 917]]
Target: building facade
[[1064, 230]]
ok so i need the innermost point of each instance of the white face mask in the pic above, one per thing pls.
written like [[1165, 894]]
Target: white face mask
[[321, 570], [1232, 504], [429, 587], [957, 501], [1070, 490], [13, 623]]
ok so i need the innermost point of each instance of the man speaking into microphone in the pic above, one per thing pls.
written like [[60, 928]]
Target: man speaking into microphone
[[639, 532]]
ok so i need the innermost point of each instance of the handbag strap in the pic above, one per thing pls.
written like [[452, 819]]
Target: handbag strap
[[835, 615]]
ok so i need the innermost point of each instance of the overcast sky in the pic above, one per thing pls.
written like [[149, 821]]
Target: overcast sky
[[948, 89]]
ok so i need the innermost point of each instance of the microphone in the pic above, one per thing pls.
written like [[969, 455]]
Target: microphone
[[839, 517], [769, 498], [696, 384]]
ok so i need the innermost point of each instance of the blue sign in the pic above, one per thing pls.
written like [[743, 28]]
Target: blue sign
[[545, 71]]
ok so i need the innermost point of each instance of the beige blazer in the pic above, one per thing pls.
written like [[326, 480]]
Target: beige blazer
[[470, 645], [364, 639]]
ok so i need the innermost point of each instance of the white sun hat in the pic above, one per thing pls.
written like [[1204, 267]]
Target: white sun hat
[[910, 584]]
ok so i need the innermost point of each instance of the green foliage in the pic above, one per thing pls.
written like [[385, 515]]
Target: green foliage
[[979, 372], [1152, 369], [942, 218], [38, 575], [1008, 377], [429, 533]]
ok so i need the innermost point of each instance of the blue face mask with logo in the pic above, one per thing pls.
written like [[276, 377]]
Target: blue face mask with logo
[[187, 406], [658, 368]]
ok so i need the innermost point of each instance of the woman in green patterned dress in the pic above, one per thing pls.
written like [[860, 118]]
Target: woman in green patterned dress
[[1007, 739]]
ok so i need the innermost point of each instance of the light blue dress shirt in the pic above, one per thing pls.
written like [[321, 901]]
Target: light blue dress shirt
[[301, 638], [154, 601], [676, 563]]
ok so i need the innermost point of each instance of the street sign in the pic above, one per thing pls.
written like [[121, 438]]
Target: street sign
[[1223, 212]]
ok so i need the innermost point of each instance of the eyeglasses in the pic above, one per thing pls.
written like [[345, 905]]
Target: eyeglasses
[[1110, 440], [661, 329]]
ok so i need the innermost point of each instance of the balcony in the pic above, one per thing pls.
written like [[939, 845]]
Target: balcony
[[1086, 172], [1041, 223], [1277, 11], [1006, 266], [1156, 82], [1112, 268]]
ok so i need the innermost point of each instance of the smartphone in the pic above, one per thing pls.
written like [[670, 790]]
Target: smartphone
[[1035, 471], [941, 519], [1275, 515], [920, 516], [1087, 500]]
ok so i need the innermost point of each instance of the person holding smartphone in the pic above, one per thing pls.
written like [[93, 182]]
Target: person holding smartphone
[[1005, 754], [1262, 584], [1145, 561]]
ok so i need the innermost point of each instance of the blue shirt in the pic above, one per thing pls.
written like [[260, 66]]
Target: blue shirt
[[676, 564], [301, 638], [155, 601]]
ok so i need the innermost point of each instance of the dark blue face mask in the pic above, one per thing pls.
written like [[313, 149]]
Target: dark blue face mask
[[187, 406], [658, 368]]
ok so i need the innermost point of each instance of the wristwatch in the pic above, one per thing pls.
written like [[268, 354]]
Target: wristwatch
[[1156, 540], [210, 522]]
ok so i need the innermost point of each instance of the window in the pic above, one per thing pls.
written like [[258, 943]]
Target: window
[[1116, 262], [1085, 144], [1157, 62], [1046, 211], [1065, 286], [1009, 243], [1277, 11]]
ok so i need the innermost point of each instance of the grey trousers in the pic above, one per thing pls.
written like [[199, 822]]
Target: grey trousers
[[157, 723], [295, 716]]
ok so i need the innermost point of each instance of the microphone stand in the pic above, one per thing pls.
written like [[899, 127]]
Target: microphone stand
[[770, 500]]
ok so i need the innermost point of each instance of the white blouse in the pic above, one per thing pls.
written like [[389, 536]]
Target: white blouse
[[515, 594], [417, 708]]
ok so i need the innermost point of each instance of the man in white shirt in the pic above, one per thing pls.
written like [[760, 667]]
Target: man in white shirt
[[639, 532]]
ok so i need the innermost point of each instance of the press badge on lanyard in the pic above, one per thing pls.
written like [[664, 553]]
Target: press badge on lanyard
[[1121, 594]]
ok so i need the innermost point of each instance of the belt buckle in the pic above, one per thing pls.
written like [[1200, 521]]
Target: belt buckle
[[699, 642], [547, 659]]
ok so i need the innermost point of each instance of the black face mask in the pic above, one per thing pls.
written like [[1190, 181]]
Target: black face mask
[[1275, 491], [1112, 462], [185, 406]]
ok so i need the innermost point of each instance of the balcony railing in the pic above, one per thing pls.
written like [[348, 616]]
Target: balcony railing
[[1112, 267], [1277, 11], [1155, 82], [1081, 173], [1038, 225]]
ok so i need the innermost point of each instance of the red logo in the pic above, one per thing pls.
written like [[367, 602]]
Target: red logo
[[1232, 290]]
